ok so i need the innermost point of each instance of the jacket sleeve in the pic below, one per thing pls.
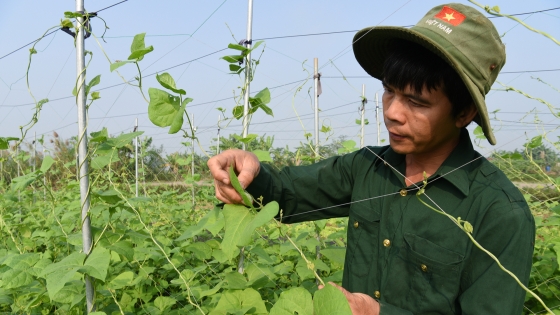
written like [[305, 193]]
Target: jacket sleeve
[[313, 192], [508, 231]]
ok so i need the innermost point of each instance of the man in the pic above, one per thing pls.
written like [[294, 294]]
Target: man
[[402, 257]]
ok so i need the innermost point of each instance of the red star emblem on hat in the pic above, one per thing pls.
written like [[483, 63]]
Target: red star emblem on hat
[[450, 16]]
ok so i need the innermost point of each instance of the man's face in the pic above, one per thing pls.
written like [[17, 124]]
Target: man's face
[[419, 123]]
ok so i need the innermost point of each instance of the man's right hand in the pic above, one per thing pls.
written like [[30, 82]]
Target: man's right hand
[[246, 166]]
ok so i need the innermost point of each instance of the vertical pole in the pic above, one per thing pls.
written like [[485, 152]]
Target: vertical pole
[[248, 77], [218, 143], [34, 160], [363, 110], [82, 147], [136, 156], [192, 158], [377, 119], [316, 99], [17, 166], [44, 179], [143, 168]]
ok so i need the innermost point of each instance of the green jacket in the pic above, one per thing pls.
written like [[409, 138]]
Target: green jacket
[[410, 258]]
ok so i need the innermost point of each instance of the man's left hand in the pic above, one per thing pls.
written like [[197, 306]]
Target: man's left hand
[[360, 304]]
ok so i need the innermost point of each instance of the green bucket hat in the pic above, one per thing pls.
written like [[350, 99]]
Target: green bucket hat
[[459, 34]]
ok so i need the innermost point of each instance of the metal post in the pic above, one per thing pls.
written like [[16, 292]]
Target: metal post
[[17, 166], [136, 156], [363, 110], [316, 99], [192, 158], [34, 160], [248, 77], [377, 119], [82, 147], [218, 143], [44, 179]]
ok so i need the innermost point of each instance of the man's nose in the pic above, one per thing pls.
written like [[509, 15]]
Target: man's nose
[[394, 109]]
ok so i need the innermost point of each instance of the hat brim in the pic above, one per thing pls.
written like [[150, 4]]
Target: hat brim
[[371, 48]]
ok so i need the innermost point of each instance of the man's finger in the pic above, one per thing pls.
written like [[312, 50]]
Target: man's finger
[[218, 169]]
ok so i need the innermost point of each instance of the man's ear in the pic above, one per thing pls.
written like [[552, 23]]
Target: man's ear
[[466, 116]]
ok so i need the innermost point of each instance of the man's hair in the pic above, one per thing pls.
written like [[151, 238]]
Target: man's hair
[[409, 64]]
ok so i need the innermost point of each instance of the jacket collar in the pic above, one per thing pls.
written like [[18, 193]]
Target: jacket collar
[[453, 169]]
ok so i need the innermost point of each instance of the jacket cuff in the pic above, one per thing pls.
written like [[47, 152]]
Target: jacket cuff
[[388, 309], [260, 184]]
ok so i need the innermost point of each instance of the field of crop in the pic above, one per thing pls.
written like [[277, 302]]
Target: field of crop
[[108, 224], [160, 254]]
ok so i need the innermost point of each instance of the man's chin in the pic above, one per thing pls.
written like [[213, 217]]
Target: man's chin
[[400, 148]]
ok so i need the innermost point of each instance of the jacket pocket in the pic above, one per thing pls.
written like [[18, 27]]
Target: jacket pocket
[[363, 234], [434, 274]]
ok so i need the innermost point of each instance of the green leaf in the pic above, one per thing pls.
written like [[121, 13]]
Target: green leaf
[[139, 54], [124, 139], [66, 23], [72, 15], [213, 221], [122, 280], [330, 300], [257, 44], [233, 58], [263, 156], [99, 136], [178, 119], [201, 251], [20, 183], [235, 280], [5, 142], [237, 47], [479, 133], [163, 107], [237, 219], [535, 142], [233, 301], [95, 95], [110, 196], [238, 112], [235, 68], [166, 80], [293, 300], [95, 81], [187, 161], [58, 274], [335, 255], [15, 278], [48, 161], [100, 162], [164, 302], [247, 200], [263, 96], [97, 263], [267, 213], [123, 248], [117, 64], [138, 42]]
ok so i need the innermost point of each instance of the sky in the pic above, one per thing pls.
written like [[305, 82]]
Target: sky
[[187, 37]]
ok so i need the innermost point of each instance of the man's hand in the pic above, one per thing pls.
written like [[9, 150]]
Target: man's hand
[[245, 164], [360, 304]]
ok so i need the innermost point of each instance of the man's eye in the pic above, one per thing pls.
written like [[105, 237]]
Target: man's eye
[[413, 103]]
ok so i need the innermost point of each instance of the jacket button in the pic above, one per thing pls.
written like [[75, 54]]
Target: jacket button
[[377, 294], [403, 192], [356, 224], [424, 268], [386, 243]]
